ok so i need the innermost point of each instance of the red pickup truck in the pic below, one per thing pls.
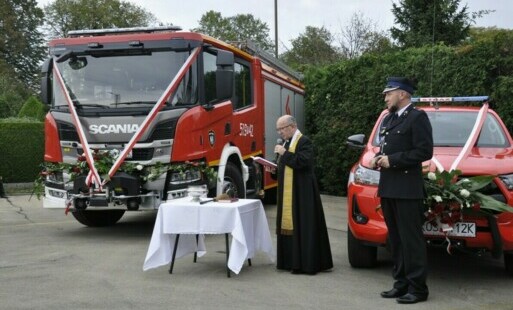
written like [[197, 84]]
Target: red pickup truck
[[492, 154]]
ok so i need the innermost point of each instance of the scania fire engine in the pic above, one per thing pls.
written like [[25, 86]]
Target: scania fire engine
[[159, 97]]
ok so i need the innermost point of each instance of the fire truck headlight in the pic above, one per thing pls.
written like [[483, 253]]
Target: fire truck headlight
[[507, 179], [180, 177]]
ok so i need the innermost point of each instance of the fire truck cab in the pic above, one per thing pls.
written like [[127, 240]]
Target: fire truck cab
[[165, 102]]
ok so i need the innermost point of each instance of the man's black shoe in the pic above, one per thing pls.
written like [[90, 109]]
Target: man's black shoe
[[393, 293], [410, 299]]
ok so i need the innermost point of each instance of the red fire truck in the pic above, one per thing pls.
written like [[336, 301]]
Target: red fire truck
[[158, 97]]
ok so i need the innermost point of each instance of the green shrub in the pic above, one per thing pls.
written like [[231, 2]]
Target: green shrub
[[21, 149], [345, 98], [33, 108]]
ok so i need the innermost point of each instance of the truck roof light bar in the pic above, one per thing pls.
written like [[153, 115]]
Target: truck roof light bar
[[101, 32], [450, 99]]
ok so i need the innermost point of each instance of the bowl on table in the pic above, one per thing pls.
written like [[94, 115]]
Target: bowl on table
[[197, 191]]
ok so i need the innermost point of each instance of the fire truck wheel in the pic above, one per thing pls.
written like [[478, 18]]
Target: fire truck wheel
[[360, 255], [232, 184], [98, 218]]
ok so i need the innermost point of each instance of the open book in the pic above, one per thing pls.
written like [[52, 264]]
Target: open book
[[264, 162]]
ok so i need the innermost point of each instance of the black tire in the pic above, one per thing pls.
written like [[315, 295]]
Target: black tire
[[508, 262], [232, 182], [98, 218], [360, 255]]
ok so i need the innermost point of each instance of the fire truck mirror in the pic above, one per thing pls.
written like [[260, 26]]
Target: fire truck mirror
[[224, 75], [224, 59], [46, 69], [64, 56], [77, 63]]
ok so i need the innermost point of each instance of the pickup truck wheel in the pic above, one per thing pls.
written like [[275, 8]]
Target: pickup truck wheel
[[508, 262], [360, 255], [98, 218], [233, 184]]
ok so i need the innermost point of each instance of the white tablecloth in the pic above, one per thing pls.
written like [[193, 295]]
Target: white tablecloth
[[245, 219]]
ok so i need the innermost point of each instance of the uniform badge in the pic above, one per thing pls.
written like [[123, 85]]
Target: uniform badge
[[383, 130]]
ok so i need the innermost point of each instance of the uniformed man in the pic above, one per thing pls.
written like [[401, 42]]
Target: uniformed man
[[406, 141]]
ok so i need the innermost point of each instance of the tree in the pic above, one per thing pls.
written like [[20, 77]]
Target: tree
[[33, 108], [237, 28], [422, 22], [12, 91], [65, 15], [314, 47], [360, 36], [21, 41]]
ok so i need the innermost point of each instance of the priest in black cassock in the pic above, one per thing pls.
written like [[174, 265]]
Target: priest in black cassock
[[302, 235]]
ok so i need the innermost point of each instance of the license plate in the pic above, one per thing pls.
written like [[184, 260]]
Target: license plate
[[459, 229]]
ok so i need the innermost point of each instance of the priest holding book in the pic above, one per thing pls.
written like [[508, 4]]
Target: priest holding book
[[303, 245]]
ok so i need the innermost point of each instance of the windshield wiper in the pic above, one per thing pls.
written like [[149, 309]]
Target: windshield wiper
[[91, 105], [134, 102], [59, 107]]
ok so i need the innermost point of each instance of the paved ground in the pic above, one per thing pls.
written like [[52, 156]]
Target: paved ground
[[50, 261]]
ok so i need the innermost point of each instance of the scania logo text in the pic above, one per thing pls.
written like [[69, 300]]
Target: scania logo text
[[113, 128]]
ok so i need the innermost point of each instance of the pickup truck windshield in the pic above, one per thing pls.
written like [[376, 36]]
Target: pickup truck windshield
[[452, 129], [120, 80]]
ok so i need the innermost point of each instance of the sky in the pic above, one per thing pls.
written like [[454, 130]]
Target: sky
[[295, 15]]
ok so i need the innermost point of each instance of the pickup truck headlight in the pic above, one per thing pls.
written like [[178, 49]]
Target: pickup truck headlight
[[366, 176], [56, 177], [507, 179]]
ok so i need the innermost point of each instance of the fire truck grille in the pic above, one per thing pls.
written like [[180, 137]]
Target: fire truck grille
[[137, 154], [67, 132], [163, 131], [142, 154]]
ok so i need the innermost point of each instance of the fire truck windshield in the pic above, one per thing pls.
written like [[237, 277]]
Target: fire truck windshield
[[120, 80]]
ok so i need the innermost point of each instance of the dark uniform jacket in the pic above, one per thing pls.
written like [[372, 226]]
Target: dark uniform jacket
[[407, 141]]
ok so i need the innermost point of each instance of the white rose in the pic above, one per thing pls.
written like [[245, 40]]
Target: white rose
[[139, 167], [464, 193], [437, 198], [431, 176], [114, 153]]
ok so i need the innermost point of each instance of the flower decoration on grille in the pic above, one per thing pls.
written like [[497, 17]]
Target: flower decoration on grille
[[103, 161], [450, 197]]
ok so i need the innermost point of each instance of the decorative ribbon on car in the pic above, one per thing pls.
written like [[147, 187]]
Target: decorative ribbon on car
[[474, 134], [93, 173], [438, 165], [156, 108], [471, 141]]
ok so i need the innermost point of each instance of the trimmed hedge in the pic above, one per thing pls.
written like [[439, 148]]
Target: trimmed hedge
[[33, 108], [21, 149], [345, 98]]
